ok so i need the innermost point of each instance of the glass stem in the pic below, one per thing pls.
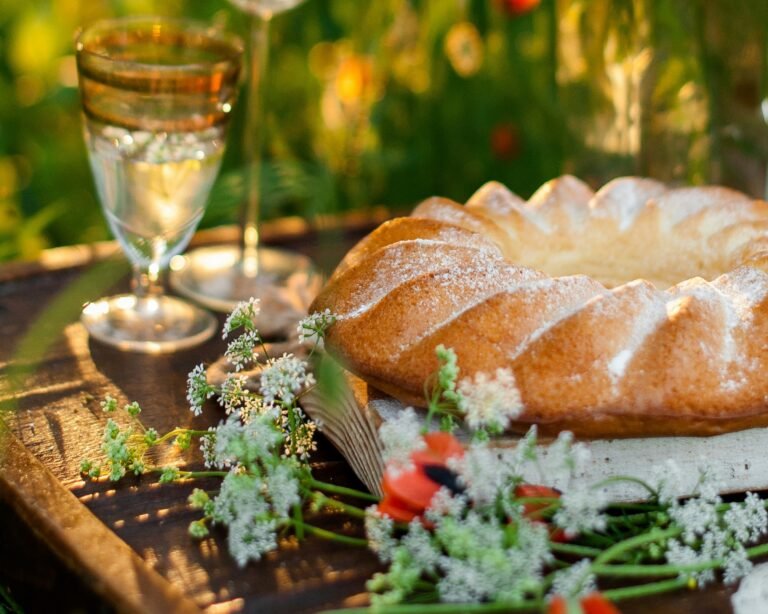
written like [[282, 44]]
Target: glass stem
[[253, 141], [146, 281]]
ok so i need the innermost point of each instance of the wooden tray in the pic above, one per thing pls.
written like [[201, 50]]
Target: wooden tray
[[352, 415]]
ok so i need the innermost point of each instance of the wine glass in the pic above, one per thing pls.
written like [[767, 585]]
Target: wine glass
[[156, 96], [221, 276]]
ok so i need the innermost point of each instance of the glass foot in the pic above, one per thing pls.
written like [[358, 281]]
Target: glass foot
[[216, 277], [154, 325]]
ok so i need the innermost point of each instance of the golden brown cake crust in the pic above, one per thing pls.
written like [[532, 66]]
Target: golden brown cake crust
[[664, 333]]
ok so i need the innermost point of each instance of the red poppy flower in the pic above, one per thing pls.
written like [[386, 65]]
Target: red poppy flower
[[594, 603], [407, 494], [532, 509], [505, 141], [515, 8]]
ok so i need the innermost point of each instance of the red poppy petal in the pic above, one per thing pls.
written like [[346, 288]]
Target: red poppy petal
[[557, 605], [536, 490], [595, 603], [390, 508], [412, 487], [426, 457], [443, 444]]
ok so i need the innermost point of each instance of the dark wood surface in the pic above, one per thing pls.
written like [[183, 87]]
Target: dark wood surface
[[98, 546]]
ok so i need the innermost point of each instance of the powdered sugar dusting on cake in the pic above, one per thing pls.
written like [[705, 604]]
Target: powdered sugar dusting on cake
[[561, 291], [737, 315], [401, 262], [564, 194], [746, 287], [618, 364], [622, 199], [498, 201], [681, 203], [648, 306], [644, 323]]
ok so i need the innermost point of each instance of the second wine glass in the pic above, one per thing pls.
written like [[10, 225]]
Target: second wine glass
[[221, 276]]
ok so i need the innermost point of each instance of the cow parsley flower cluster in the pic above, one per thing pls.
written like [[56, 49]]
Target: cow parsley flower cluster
[[259, 450], [283, 378], [312, 328], [708, 533], [490, 402], [399, 437], [474, 555]]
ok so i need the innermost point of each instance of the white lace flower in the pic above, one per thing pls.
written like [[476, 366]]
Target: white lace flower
[[668, 481], [379, 529], [748, 520], [284, 378], [399, 437], [580, 509], [481, 485], [313, 327], [243, 316], [737, 565], [490, 402], [198, 389], [241, 351], [574, 581]]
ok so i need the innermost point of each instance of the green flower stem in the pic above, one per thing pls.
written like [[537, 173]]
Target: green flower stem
[[352, 510], [292, 426], [645, 590], [575, 549], [340, 490], [196, 474], [618, 549], [638, 571], [597, 539], [298, 521], [625, 478], [756, 551], [329, 535], [178, 431]]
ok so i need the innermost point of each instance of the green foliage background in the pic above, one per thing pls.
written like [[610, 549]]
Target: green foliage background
[[411, 126], [371, 103]]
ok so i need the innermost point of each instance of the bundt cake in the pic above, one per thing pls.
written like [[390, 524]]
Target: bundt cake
[[635, 310]]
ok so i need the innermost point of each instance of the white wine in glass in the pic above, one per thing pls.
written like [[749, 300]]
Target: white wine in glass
[[221, 276], [156, 95]]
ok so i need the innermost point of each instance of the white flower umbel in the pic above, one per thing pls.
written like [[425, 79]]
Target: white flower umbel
[[446, 503], [708, 536], [482, 564], [490, 402], [574, 581], [243, 316], [482, 486], [737, 565], [237, 442], [284, 378], [241, 351], [668, 480], [312, 328], [747, 520], [302, 432], [581, 509], [198, 389], [379, 530], [399, 437]]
